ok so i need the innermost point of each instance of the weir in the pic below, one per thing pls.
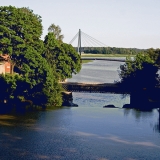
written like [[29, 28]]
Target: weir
[[93, 87], [137, 99]]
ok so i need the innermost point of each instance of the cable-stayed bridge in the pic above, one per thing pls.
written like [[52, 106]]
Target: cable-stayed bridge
[[84, 40]]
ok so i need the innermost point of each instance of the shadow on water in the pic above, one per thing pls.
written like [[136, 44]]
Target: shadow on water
[[13, 127], [143, 113], [48, 135], [21, 129], [21, 114], [157, 125]]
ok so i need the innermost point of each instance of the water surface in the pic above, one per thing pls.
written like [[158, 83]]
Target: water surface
[[87, 132]]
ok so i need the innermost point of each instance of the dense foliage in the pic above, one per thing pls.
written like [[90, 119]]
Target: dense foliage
[[139, 73], [37, 66], [154, 54], [18, 34], [140, 77], [56, 30], [61, 56], [111, 50]]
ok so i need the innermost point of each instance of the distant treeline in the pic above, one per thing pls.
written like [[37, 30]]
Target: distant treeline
[[111, 50]]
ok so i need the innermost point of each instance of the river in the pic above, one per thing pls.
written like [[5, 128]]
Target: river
[[99, 72], [87, 132]]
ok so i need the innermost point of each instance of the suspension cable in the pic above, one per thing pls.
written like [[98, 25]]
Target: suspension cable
[[73, 38], [88, 41]]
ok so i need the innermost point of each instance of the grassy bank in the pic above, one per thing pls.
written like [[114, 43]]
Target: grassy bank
[[101, 56], [105, 55], [86, 61]]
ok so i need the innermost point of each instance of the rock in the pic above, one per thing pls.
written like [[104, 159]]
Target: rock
[[109, 106]]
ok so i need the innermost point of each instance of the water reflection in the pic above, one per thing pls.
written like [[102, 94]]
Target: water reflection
[[157, 125], [24, 119], [139, 115]]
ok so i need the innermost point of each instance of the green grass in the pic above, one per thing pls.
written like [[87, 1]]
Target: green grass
[[105, 55], [86, 61]]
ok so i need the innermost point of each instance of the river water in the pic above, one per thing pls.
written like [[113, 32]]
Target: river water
[[99, 72], [87, 132]]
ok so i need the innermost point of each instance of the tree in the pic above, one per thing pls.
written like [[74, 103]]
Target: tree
[[61, 57], [20, 32], [140, 77], [154, 54], [139, 73], [56, 30], [73, 61]]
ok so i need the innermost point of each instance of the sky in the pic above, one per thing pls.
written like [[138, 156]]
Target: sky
[[116, 23]]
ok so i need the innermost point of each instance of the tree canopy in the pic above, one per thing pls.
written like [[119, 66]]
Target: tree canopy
[[37, 66], [56, 30], [20, 31], [139, 73], [61, 56], [33, 79]]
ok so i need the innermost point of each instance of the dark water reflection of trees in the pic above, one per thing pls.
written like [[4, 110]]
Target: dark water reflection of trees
[[157, 125], [138, 114]]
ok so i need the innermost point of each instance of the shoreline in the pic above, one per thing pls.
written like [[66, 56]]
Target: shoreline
[[106, 55]]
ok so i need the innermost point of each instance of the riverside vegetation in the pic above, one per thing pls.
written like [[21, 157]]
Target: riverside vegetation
[[37, 65], [113, 51], [140, 77]]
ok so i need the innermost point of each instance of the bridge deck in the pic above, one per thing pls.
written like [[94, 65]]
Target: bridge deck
[[92, 87]]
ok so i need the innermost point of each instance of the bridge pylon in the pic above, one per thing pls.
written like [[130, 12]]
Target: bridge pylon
[[79, 42]]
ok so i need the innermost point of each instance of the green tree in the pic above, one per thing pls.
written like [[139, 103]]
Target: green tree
[[20, 32], [56, 30], [154, 54], [73, 61], [139, 73], [61, 57], [44, 87], [140, 77]]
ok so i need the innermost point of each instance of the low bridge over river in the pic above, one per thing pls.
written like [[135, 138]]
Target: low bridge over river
[[93, 87]]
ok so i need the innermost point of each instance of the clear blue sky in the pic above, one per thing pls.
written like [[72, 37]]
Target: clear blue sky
[[117, 23]]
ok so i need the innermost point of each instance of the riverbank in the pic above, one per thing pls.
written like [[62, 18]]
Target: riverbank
[[105, 55], [86, 61], [101, 56]]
